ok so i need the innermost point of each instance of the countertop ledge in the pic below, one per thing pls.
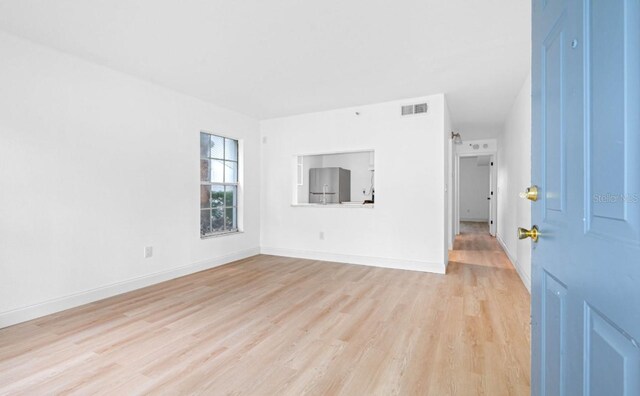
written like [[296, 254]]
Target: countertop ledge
[[344, 206]]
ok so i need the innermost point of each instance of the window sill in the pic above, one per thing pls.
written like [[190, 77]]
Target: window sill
[[341, 206], [221, 234]]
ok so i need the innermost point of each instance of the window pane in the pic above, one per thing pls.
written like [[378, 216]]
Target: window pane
[[205, 195], [205, 222], [231, 149], [216, 173], [217, 220], [205, 171], [218, 166], [217, 147], [204, 145], [217, 196], [230, 172], [231, 222], [212, 171], [230, 197]]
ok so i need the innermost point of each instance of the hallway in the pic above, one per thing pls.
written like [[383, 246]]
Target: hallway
[[493, 308]]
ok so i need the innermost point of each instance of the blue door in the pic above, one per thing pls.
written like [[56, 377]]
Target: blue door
[[586, 163]]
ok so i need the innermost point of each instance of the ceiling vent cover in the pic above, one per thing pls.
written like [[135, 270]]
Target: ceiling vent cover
[[407, 110], [420, 108]]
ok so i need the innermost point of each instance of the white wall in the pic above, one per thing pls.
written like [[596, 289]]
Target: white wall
[[514, 176], [450, 211], [95, 165], [474, 190], [477, 147], [478, 130], [308, 162], [405, 229]]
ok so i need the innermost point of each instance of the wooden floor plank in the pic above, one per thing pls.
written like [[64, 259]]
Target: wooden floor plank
[[274, 325]]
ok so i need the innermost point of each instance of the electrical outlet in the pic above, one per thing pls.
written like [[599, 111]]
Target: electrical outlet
[[148, 251], [322, 235]]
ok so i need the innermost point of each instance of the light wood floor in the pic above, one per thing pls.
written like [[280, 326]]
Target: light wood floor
[[278, 326]]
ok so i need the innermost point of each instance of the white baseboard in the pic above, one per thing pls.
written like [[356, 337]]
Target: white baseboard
[[24, 314], [438, 268], [516, 264], [44, 308]]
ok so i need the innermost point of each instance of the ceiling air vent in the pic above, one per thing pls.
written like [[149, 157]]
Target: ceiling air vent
[[419, 108], [407, 110]]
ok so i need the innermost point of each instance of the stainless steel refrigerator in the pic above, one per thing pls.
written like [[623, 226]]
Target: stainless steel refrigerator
[[329, 185]]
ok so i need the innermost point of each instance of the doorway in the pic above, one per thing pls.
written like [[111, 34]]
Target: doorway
[[475, 186], [475, 190]]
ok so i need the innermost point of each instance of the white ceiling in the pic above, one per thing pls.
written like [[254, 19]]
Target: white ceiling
[[271, 58]]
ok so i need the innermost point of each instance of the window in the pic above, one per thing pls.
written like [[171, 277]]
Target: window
[[218, 185], [339, 178]]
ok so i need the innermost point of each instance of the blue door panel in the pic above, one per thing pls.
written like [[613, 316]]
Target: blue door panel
[[612, 361], [585, 301], [553, 59], [606, 56], [553, 333], [612, 63]]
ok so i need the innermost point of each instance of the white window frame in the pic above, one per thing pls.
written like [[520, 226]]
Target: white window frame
[[224, 184]]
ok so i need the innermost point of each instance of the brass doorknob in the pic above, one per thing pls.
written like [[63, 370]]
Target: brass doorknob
[[533, 233], [531, 193]]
